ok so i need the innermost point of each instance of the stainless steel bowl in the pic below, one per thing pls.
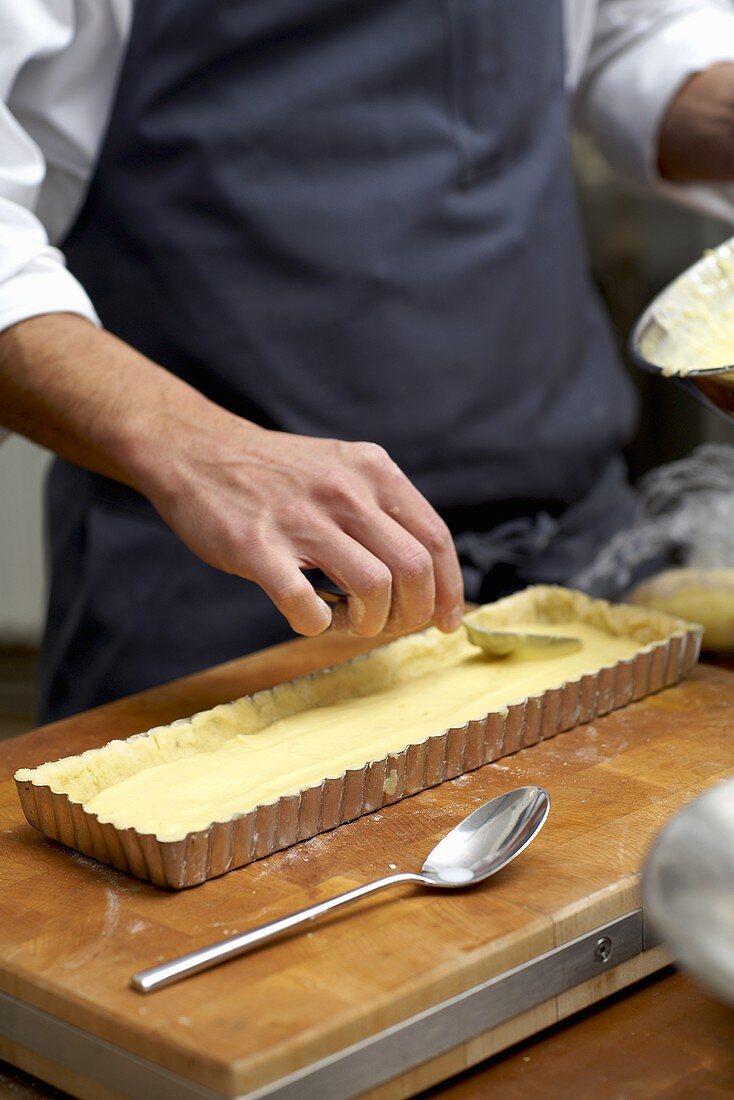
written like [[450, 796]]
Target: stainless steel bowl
[[688, 888], [652, 342]]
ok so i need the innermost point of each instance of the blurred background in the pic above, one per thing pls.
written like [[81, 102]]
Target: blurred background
[[638, 244]]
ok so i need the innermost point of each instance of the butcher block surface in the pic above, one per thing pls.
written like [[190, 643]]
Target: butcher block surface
[[73, 931]]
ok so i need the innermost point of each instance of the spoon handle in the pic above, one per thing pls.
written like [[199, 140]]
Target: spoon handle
[[145, 981]]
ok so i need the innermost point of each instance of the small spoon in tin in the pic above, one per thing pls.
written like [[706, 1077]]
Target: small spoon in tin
[[479, 846], [495, 643], [520, 643]]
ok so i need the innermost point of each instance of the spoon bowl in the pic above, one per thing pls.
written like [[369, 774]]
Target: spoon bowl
[[521, 643], [488, 839]]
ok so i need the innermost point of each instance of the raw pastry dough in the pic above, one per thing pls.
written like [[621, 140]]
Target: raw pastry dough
[[299, 751]]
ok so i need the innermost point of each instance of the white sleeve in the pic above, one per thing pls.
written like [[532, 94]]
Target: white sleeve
[[641, 53], [33, 277]]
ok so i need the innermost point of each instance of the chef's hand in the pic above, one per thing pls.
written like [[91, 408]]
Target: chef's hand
[[260, 504], [697, 132], [266, 504]]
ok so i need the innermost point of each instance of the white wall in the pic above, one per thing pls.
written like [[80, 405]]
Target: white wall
[[22, 585]]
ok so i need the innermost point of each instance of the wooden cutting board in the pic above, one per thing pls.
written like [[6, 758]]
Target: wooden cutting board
[[391, 995]]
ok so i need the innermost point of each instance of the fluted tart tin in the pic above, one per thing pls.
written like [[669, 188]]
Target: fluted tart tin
[[668, 651]]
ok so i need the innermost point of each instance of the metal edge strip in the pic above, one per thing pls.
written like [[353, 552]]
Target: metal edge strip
[[650, 934], [400, 1048], [96, 1059], [364, 1065]]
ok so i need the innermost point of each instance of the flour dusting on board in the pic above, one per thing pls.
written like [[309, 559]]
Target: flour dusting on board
[[97, 945], [94, 865]]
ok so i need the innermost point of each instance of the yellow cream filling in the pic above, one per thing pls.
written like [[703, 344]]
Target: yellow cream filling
[[301, 749], [697, 317]]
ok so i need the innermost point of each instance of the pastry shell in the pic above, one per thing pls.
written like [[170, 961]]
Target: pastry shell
[[669, 649]]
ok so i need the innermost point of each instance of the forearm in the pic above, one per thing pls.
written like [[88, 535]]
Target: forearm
[[261, 504], [697, 133], [96, 401]]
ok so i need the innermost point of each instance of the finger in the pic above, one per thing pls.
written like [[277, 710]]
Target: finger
[[411, 566], [400, 499], [409, 508], [285, 584], [365, 579]]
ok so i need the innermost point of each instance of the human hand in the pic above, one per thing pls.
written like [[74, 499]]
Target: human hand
[[696, 140], [264, 505]]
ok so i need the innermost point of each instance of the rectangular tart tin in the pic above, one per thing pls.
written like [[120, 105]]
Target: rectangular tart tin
[[268, 828]]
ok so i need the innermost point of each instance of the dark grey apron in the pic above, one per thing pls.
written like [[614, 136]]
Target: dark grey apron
[[345, 218]]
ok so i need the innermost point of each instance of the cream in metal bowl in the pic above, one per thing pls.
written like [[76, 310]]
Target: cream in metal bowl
[[687, 332]]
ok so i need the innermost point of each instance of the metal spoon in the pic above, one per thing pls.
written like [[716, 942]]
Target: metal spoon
[[483, 843], [500, 643], [495, 643], [652, 345]]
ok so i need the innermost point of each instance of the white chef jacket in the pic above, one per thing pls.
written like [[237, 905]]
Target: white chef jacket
[[59, 60]]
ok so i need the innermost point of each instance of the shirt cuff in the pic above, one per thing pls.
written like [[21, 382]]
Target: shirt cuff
[[43, 288], [627, 99]]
